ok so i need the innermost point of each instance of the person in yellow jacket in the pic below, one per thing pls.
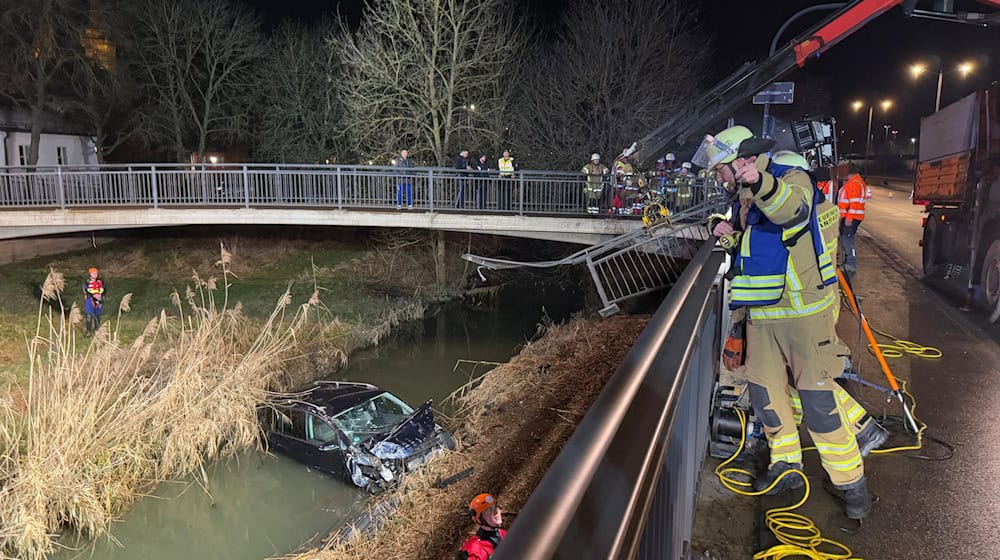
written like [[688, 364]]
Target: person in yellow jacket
[[783, 275], [851, 201], [505, 190]]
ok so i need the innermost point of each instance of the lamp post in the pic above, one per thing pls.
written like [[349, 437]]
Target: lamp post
[[857, 105], [964, 69]]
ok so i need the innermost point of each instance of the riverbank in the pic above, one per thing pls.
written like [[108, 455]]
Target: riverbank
[[511, 424]]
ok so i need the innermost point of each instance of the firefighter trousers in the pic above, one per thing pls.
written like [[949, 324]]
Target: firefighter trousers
[[809, 346]]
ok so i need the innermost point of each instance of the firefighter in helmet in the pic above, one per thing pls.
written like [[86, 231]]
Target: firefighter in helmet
[[487, 515], [784, 276]]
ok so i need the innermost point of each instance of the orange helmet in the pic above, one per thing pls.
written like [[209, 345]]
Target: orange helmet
[[92, 270], [479, 504]]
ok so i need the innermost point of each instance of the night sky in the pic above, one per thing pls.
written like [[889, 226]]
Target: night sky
[[872, 64]]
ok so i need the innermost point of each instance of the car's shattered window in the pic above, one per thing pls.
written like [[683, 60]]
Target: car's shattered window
[[376, 415]]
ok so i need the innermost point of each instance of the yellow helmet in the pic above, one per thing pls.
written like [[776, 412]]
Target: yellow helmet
[[729, 144], [789, 158]]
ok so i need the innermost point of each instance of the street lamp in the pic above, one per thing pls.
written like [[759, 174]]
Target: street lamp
[[886, 104], [918, 69]]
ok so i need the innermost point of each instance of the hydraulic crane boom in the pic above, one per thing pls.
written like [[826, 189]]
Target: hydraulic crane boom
[[752, 77]]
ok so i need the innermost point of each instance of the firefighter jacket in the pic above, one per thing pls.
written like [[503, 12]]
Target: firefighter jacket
[[595, 177], [852, 198], [785, 267], [506, 166]]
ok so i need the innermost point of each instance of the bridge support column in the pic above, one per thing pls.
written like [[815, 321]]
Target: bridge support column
[[440, 254]]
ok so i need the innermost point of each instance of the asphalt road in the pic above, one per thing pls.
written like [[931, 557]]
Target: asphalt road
[[894, 221]]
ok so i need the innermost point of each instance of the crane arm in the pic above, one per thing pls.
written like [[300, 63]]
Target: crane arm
[[753, 77]]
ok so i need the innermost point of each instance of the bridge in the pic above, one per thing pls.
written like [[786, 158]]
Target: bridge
[[547, 205]]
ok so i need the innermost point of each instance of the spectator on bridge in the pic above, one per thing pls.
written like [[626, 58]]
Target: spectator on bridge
[[93, 293], [594, 187], [481, 181], [405, 181], [462, 162], [485, 513], [505, 188]]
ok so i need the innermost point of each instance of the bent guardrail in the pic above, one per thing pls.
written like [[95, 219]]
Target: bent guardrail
[[624, 484], [323, 186]]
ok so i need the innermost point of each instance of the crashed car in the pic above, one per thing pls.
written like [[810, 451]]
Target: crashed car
[[354, 431]]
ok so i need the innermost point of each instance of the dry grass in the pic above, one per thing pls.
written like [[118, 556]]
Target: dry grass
[[99, 427], [521, 413]]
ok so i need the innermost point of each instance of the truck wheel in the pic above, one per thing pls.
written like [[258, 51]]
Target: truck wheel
[[990, 276], [930, 252]]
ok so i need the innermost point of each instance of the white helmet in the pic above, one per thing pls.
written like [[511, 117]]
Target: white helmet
[[595, 157], [686, 165], [671, 157]]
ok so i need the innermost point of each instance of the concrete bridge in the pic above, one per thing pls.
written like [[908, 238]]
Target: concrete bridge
[[532, 204]]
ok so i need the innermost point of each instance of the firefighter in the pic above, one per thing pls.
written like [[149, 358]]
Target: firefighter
[[93, 293], [852, 211], [783, 276], [868, 432], [487, 515], [595, 172]]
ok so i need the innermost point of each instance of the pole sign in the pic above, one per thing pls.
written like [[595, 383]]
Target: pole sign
[[778, 93]]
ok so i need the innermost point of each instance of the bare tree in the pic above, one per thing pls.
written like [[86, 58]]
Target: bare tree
[[300, 103], [616, 70], [420, 74], [40, 42], [200, 59]]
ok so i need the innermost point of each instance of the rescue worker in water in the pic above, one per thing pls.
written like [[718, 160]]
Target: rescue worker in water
[[784, 276], [486, 513]]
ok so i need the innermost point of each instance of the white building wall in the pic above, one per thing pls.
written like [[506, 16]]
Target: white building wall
[[79, 149]]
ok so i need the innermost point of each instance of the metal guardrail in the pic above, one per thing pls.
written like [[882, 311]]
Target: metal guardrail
[[319, 186], [624, 484]]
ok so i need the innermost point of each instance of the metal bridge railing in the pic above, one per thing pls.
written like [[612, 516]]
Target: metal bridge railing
[[624, 484], [315, 186]]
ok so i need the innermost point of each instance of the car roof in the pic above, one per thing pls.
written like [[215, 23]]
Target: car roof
[[328, 400]]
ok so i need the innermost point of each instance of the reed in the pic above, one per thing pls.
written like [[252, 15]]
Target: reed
[[99, 426]]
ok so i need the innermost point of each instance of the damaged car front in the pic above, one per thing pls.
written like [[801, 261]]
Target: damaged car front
[[357, 431]]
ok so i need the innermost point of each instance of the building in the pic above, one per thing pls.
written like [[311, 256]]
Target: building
[[62, 142]]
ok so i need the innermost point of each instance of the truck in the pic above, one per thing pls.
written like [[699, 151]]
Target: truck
[[958, 182]]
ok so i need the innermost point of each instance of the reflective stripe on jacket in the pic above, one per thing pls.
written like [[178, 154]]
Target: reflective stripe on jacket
[[783, 271], [852, 198]]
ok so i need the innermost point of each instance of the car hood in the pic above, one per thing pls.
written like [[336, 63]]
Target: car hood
[[408, 435]]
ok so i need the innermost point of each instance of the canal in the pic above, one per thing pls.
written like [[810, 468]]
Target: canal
[[257, 506]]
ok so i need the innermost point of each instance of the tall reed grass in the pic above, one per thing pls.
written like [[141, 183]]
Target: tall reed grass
[[100, 426]]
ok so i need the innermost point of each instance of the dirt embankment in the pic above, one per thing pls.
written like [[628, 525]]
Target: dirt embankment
[[512, 426]]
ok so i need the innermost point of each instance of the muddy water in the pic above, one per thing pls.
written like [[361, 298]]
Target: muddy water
[[261, 506]]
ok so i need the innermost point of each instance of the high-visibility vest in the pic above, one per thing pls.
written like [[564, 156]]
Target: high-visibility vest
[[762, 261], [506, 166], [852, 198], [825, 187]]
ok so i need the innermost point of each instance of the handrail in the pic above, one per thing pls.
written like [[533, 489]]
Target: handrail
[[595, 498], [341, 187]]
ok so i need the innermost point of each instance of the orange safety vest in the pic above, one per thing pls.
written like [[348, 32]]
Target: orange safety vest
[[852, 198], [825, 187]]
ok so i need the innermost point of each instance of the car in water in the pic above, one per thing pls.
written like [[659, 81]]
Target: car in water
[[354, 431]]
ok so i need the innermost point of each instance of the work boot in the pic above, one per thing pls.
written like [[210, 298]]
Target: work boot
[[857, 500], [872, 436], [789, 482]]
